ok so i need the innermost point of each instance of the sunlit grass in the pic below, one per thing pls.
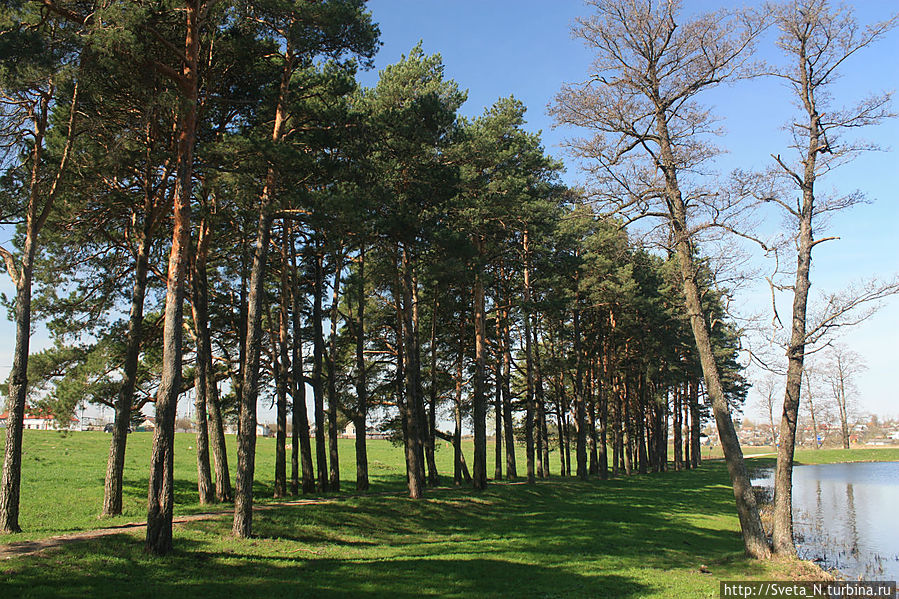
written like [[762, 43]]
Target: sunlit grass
[[638, 536]]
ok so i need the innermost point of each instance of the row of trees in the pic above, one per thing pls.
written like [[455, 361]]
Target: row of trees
[[830, 394], [650, 148], [369, 245], [221, 157]]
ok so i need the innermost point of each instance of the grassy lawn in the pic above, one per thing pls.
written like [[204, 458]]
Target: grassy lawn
[[643, 536], [63, 475]]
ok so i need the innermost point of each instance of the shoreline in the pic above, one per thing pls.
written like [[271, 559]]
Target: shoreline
[[765, 496]]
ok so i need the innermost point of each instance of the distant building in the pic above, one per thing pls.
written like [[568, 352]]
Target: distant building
[[39, 421], [349, 432], [262, 430]]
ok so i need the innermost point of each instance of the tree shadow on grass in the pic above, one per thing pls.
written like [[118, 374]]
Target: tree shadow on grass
[[116, 567], [560, 538]]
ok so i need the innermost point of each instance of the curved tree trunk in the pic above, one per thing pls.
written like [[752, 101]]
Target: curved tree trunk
[[18, 388], [11, 479], [160, 492]]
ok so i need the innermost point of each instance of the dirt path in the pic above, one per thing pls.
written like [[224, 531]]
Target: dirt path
[[21, 548]]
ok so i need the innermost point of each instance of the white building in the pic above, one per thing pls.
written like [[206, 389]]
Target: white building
[[38, 421]]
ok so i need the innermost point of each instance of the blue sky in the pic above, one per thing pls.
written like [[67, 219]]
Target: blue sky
[[494, 48], [524, 47]]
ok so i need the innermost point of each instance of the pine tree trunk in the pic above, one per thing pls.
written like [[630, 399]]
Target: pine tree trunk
[[414, 453], [591, 419], [11, 479], [282, 367], [361, 384], [246, 442], [603, 419], [115, 465], [457, 413], [508, 424], [695, 453], [580, 418], [676, 412], [318, 351], [205, 487], [279, 370], [530, 407], [206, 378], [223, 491], [642, 458], [542, 433], [18, 388], [479, 399], [160, 493], [433, 476], [333, 400], [498, 406], [300, 419]]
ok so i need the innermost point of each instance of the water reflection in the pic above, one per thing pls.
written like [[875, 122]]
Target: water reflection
[[845, 517]]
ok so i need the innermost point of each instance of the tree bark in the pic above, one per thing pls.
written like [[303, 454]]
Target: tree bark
[[301, 441], [333, 400], [458, 460], [160, 493], [479, 399], [542, 433], [433, 476], [205, 488], [498, 405], [246, 442], [200, 307], [411, 370], [361, 384], [678, 429], [580, 420], [508, 424], [10, 482], [530, 411], [115, 465], [604, 417], [318, 351]]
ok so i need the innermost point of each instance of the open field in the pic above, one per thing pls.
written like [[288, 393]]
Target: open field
[[643, 536], [63, 474]]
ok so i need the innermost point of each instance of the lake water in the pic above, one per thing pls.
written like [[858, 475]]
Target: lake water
[[846, 516]]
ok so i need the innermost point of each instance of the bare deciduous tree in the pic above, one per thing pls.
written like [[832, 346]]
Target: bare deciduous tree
[[768, 389], [817, 40], [842, 367], [649, 137]]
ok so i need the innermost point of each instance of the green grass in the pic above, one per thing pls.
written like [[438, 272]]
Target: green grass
[[832, 456], [63, 476], [639, 536]]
